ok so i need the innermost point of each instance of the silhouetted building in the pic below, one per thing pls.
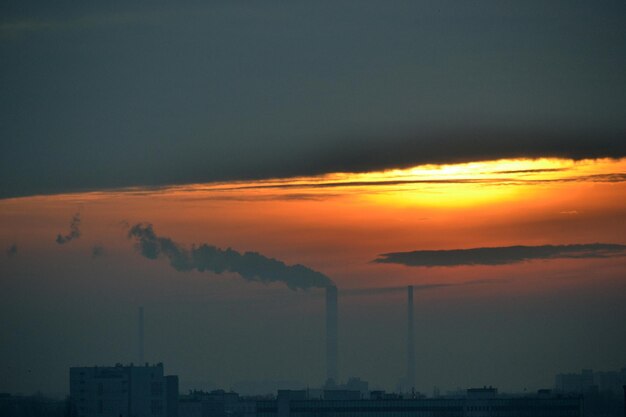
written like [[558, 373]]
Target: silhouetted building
[[216, 403], [577, 383], [610, 380], [353, 385], [341, 394], [32, 406], [484, 392], [382, 395], [357, 384], [123, 391], [589, 381], [483, 402], [171, 395]]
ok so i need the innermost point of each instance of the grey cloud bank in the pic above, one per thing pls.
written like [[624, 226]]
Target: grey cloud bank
[[501, 255], [150, 94]]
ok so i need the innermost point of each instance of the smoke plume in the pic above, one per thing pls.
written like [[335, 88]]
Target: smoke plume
[[251, 266], [12, 250], [74, 231]]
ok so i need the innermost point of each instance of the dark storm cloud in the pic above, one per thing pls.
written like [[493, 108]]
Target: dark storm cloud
[[12, 250], [470, 144], [502, 255], [251, 266], [246, 90], [350, 155], [74, 231]]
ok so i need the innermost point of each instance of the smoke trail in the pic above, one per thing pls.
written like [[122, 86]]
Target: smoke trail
[[74, 231], [251, 266]]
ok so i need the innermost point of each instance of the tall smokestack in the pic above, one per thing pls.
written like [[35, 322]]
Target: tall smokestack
[[331, 334], [410, 341], [140, 337]]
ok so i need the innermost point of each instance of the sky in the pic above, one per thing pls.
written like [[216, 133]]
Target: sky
[[220, 163]]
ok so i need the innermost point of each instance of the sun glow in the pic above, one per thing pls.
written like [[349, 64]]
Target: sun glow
[[439, 186], [447, 185]]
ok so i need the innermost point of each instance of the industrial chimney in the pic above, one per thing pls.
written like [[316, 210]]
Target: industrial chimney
[[410, 341], [331, 335], [140, 337]]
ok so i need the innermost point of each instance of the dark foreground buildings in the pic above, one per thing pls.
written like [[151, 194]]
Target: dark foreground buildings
[[145, 391], [32, 406], [123, 391], [478, 403]]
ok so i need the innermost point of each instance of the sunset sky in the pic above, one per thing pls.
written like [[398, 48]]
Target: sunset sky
[[475, 152]]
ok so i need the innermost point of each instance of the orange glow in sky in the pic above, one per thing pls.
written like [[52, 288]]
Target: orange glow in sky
[[451, 185], [338, 223]]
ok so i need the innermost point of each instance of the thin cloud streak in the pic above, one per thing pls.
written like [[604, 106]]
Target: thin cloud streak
[[600, 178], [356, 292], [502, 255]]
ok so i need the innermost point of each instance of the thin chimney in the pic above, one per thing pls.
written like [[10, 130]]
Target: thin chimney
[[410, 341], [331, 334], [140, 337]]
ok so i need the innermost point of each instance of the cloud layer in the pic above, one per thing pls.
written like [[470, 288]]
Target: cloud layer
[[501, 255], [334, 153], [383, 93], [251, 266], [351, 292]]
